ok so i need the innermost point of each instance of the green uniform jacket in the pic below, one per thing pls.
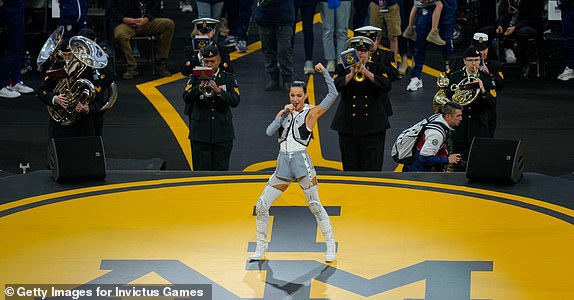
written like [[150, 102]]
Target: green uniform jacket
[[210, 118]]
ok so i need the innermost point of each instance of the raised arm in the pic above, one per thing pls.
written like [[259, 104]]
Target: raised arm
[[319, 110]]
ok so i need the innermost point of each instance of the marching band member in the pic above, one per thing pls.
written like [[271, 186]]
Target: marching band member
[[362, 115], [47, 93], [488, 66], [211, 129], [204, 27], [475, 117], [294, 125], [378, 55]]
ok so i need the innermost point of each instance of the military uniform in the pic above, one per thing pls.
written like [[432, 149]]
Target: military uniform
[[204, 26], [379, 56], [362, 118], [474, 115], [211, 123], [85, 124], [191, 60], [480, 42]]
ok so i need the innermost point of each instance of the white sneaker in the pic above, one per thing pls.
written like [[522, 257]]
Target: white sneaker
[[510, 57], [259, 253], [308, 68], [566, 75], [186, 8], [331, 66], [330, 253], [241, 46], [22, 88], [7, 92], [415, 84]]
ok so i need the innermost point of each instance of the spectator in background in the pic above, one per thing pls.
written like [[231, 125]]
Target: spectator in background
[[275, 20], [423, 27], [239, 18], [520, 20], [186, 6], [405, 45], [307, 8], [433, 36], [390, 14], [335, 26], [139, 18], [11, 84], [361, 13], [73, 16], [209, 9], [567, 8], [211, 130]]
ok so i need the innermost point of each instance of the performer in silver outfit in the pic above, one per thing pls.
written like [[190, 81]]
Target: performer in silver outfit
[[294, 125]]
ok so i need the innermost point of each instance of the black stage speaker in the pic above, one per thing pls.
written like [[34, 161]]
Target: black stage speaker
[[492, 160], [77, 158]]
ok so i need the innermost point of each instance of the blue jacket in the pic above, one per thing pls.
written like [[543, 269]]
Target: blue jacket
[[275, 12]]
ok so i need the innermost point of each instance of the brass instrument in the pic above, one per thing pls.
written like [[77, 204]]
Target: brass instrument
[[48, 49], [205, 74], [78, 90], [111, 96], [466, 91], [359, 76], [350, 59], [440, 97]]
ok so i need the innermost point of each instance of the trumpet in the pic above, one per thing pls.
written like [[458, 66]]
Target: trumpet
[[359, 76], [205, 74]]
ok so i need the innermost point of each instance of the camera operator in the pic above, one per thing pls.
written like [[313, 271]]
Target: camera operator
[[208, 103]]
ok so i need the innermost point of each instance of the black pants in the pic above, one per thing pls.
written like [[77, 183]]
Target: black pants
[[362, 153], [211, 156]]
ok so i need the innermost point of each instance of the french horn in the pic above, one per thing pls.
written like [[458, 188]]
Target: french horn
[[466, 91], [78, 90]]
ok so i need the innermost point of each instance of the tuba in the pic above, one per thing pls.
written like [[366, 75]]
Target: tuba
[[48, 51], [78, 90]]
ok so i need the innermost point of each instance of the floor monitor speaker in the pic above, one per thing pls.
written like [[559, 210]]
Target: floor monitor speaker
[[493, 160], [77, 158]]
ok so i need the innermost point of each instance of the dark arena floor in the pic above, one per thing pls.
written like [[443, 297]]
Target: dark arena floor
[[399, 235]]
